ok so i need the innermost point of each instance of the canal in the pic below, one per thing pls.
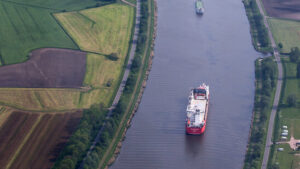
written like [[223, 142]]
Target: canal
[[216, 49]]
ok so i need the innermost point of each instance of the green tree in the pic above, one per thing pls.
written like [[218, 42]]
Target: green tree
[[113, 56], [280, 45], [298, 70], [291, 100], [294, 54], [274, 166], [264, 102]]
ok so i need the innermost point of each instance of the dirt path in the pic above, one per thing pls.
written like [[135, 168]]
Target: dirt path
[[292, 142], [123, 82], [128, 3], [277, 93]]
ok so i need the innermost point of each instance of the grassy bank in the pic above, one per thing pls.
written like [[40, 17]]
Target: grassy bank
[[258, 30], [116, 126], [265, 84]]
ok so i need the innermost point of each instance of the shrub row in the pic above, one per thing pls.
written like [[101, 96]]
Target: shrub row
[[79, 142], [258, 29], [94, 158], [265, 74], [93, 118]]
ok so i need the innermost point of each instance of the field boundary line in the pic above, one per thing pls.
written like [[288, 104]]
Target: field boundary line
[[65, 31], [29, 5], [128, 3], [23, 142]]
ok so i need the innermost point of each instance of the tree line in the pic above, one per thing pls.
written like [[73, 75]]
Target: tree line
[[93, 159], [259, 31], [265, 74]]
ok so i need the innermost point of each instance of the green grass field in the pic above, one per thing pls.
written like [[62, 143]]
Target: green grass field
[[61, 4], [287, 158], [23, 29], [287, 32], [290, 116]]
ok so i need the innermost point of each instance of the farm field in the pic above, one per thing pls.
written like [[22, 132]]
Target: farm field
[[51, 133], [60, 5], [287, 32], [12, 133], [102, 73], [103, 30], [22, 129], [46, 68], [24, 28], [49, 92], [289, 9]]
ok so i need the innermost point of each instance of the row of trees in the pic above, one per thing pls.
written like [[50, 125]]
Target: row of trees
[[93, 118], [256, 20], [295, 58], [265, 74], [93, 159], [74, 151], [259, 31]]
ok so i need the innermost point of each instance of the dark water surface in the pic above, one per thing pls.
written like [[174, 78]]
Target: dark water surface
[[215, 49]]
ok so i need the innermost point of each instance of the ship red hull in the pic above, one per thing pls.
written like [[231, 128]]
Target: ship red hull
[[195, 130]]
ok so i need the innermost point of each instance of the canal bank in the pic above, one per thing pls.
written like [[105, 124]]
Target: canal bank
[[216, 49]]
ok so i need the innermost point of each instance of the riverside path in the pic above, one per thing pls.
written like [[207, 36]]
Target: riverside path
[[277, 93], [124, 79]]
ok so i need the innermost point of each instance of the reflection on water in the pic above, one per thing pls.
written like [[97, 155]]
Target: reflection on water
[[193, 145]]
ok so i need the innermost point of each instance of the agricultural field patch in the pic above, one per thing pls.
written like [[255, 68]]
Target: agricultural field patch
[[287, 32], [289, 9], [103, 30], [13, 132], [49, 136], [63, 5], [47, 68], [24, 28]]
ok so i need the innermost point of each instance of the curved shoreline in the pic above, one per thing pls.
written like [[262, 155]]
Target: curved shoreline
[[144, 83]]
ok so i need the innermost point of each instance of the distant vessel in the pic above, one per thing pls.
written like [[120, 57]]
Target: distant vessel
[[197, 109], [199, 7]]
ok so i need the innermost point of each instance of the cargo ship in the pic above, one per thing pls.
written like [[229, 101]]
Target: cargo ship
[[199, 7], [197, 109]]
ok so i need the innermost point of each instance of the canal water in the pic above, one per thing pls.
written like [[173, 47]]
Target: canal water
[[216, 49]]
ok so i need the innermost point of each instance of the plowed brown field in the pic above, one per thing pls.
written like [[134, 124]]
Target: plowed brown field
[[46, 141], [36, 149], [46, 68], [289, 9], [12, 133]]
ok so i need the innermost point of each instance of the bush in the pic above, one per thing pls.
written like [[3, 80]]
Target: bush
[[298, 70], [294, 54], [291, 100], [113, 56]]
